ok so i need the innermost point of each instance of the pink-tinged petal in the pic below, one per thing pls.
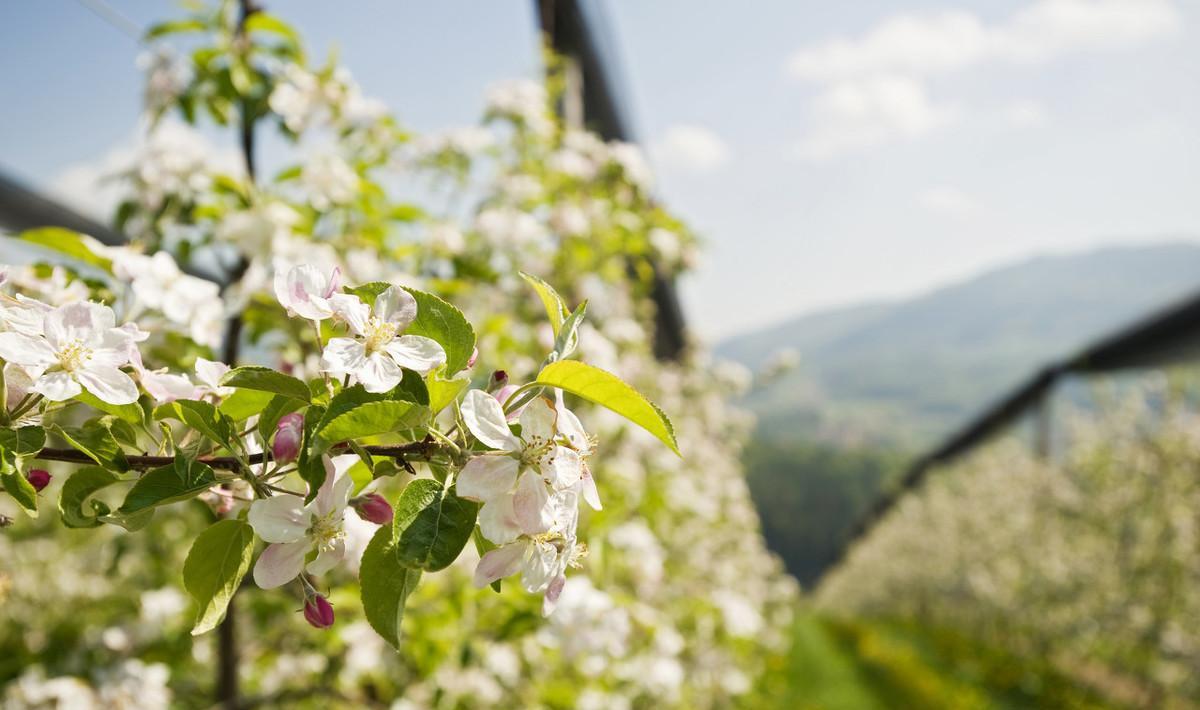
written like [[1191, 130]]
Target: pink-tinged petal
[[19, 382], [570, 426], [395, 305], [334, 493], [82, 321], [538, 421], [26, 350], [302, 292], [531, 504], [540, 568], [499, 563], [343, 356], [351, 310], [280, 519], [550, 601], [165, 387], [280, 564], [210, 372], [379, 373], [328, 559], [485, 418], [416, 353], [498, 521], [108, 383], [564, 469], [335, 282], [588, 489], [57, 386], [487, 476]]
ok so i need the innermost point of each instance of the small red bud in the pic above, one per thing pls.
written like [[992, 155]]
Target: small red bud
[[473, 358], [373, 508], [499, 379], [318, 612], [288, 434], [39, 478]]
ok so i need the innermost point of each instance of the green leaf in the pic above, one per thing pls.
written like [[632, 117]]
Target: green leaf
[[75, 493], [568, 336], [171, 27], [354, 413], [431, 526], [24, 441], [96, 441], [131, 413], [442, 392], [66, 242], [16, 484], [608, 390], [243, 404], [265, 22], [201, 416], [556, 307], [214, 568], [264, 379], [309, 464], [444, 323], [180, 480], [276, 409], [385, 585]]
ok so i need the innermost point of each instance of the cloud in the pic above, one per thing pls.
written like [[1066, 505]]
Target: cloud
[[948, 201], [1024, 113], [692, 148], [943, 42], [855, 115]]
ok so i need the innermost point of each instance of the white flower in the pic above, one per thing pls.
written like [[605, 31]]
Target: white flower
[[160, 384], [166, 78], [158, 283], [377, 354], [79, 347], [304, 291], [633, 164], [209, 373], [507, 226], [329, 181], [294, 529], [297, 98], [255, 229]]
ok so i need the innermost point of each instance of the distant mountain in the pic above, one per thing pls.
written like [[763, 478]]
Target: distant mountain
[[906, 372]]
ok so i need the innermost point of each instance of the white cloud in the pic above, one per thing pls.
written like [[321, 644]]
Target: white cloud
[[935, 43], [1024, 113], [947, 200], [855, 115], [693, 148]]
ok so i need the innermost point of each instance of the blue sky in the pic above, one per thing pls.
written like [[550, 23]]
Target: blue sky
[[829, 152]]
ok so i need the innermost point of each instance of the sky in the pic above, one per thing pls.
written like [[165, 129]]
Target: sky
[[828, 153]]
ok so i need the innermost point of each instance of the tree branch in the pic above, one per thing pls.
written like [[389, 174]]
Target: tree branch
[[417, 449]]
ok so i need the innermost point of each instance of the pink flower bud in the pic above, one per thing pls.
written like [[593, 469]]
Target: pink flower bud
[[318, 612], [39, 478], [497, 381], [373, 508], [288, 434], [473, 358]]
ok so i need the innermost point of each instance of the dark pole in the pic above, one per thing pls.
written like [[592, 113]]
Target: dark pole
[[574, 33]]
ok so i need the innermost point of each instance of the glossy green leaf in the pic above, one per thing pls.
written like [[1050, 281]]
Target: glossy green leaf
[[201, 416], [132, 413], [162, 29], [243, 404], [23, 441], [96, 441], [354, 413], [556, 307], [79, 487], [431, 526], [264, 379], [68, 243], [385, 584], [214, 568], [608, 390], [444, 323], [184, 478], [442, 391], [14, 481]]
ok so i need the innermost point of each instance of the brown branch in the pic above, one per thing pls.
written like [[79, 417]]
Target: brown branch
[[417, 449]]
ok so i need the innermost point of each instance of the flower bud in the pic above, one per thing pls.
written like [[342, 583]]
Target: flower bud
[[473, 358], [288, 434], [38, 478], [318, 612], [497, 381], [373, 508]]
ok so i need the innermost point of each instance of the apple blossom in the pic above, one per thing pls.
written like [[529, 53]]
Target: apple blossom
[[373, 508], [377, 354], [304, 291], [294, 528], [39, 478], [318, 612], [209, 373], [79, 348], [289, 433]]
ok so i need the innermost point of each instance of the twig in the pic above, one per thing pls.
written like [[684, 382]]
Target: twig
[[417, 449]]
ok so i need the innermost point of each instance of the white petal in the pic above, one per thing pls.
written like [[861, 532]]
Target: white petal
[[570, 426], [108, 383], [395, 305], [280, 564], [485, 418], [379, 373], [588, 485], [328, 559], [538, 420], [57, 386], [351, 309], [540, 567], [165, 387], [210, 372], [531, 505], [416, 353], [26, 350], [550, 601], [302, 292], [564, 469], [334, 493], [281, 518], [343, 356], [498, 521], [499, 563], [83, 321], [487, 476]]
